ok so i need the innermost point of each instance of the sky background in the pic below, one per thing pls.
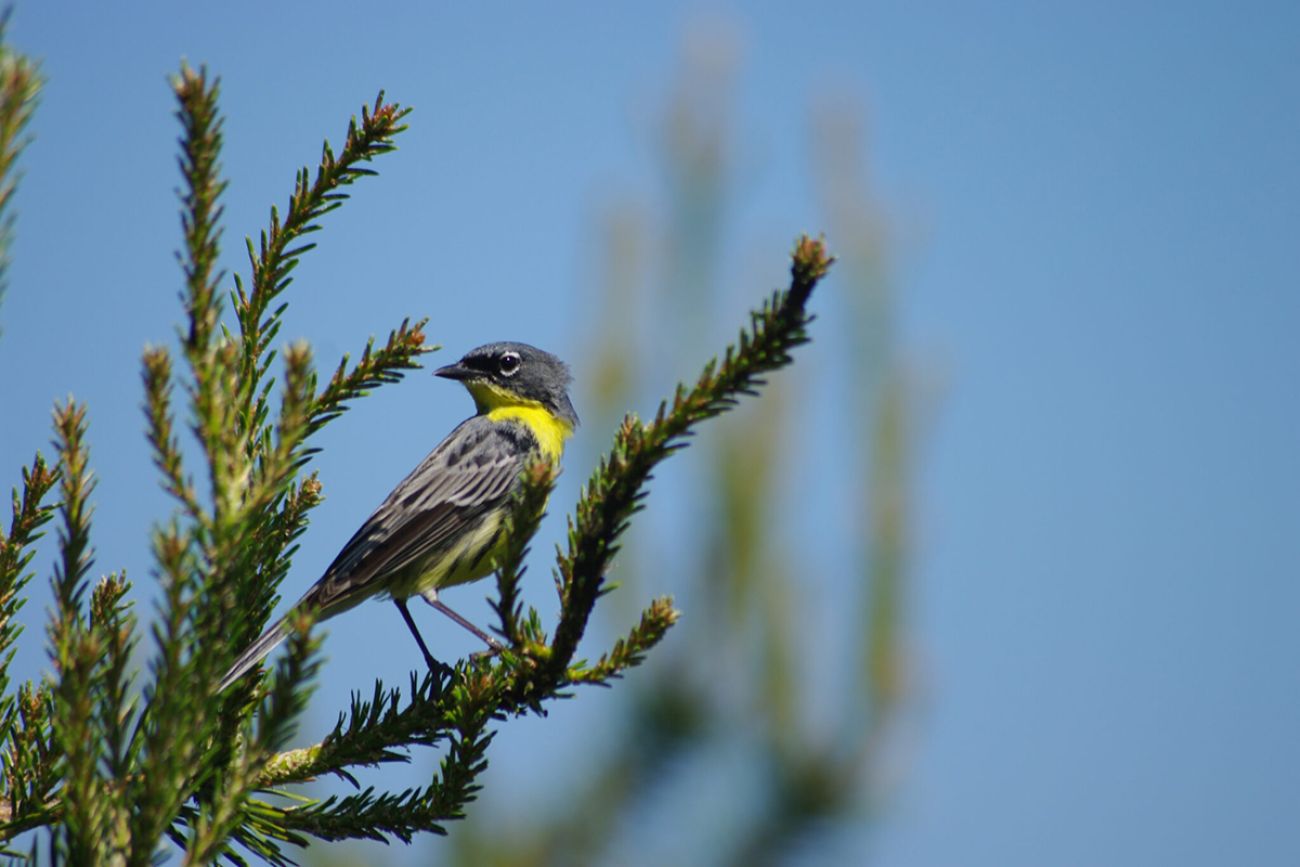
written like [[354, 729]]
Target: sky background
[[1095, 210]]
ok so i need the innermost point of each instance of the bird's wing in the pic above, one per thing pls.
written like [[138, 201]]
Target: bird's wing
[[466, 475]]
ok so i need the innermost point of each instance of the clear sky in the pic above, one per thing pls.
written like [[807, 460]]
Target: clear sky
[[1099, 207]]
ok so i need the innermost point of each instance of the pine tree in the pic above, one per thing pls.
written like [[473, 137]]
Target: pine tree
[[117, 764]]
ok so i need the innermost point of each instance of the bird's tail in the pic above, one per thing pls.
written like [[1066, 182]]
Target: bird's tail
[[255, 653]]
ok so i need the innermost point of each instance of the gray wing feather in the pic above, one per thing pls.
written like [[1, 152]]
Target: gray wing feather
[[467, 475]]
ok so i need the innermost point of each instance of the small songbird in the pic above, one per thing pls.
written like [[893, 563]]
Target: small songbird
[[442, 524]]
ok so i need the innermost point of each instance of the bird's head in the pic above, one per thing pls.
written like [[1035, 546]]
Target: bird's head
[[514, 374]]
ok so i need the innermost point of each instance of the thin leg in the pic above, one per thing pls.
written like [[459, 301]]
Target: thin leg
[[431, 596], [434, 665]]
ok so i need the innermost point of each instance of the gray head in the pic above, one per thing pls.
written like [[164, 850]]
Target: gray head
[[501, 373]]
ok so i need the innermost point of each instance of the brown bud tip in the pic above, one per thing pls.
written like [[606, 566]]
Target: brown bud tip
[[811, 261]]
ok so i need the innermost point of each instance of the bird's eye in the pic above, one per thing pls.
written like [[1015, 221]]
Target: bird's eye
[[509, 363]]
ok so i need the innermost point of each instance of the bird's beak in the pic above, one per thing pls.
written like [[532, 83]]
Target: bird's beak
[[454, 371]]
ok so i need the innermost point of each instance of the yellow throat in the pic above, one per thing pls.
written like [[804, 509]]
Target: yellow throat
[[501, 405]]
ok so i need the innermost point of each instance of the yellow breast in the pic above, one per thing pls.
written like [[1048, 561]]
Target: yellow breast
[[551, 430]]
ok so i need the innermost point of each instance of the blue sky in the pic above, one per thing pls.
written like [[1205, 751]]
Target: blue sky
[[1096, 209]]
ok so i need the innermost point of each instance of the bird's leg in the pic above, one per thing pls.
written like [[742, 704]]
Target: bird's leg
[[434, 665], [431, 596]]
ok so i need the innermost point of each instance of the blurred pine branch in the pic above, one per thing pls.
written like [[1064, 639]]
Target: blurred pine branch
[[768, 676], [20, 86]]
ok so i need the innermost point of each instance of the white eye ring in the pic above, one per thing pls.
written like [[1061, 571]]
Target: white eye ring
[[509, 363]]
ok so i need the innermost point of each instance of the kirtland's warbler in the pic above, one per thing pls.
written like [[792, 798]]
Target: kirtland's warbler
[[442, 524]]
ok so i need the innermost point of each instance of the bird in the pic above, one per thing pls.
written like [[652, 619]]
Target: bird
[[442, 524]]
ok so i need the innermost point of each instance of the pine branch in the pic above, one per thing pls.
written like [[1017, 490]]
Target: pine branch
[[275, 541], [617, 487], [161, 431], [383, 729], [273, 261], [242, 547], [113, 631], [75, 652], [20, 85], [30, 513], [630, 651], [472, 703], [25, 752], [277, 718], [201, 211], [368, 735], [115, 777], [30, 764], [518, 529], [522, 678], [303, 412], [120, 779], [173, 728], [75, 484], [376, 367], [310, 201], [256, 548]]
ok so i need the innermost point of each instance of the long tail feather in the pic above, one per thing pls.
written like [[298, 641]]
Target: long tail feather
[[255, 653]]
